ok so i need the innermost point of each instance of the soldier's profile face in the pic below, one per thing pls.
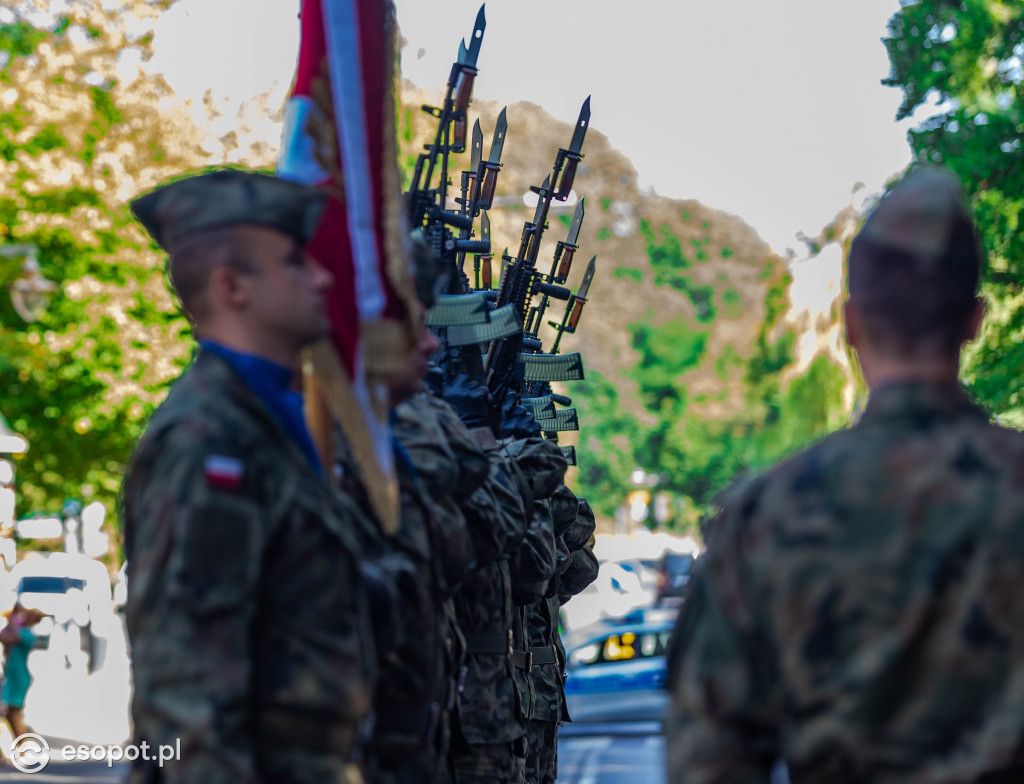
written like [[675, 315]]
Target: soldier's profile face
[[407, 383], [286, 291]]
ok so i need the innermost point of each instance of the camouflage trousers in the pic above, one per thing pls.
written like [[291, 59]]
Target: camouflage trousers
[[542, 759], [491, 763], [397, 757], [421, 768]]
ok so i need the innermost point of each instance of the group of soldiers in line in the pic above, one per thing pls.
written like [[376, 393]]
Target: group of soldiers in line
[[276, 630]]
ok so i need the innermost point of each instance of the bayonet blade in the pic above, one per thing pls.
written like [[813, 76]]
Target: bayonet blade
[[477, 149], [574, 227], [478, 36], [588, 278], [540, 200], [485, 227], [581, 128], [498, 141], [463, 52]]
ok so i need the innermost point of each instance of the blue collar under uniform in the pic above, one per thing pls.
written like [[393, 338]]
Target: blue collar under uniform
[[271, 383]]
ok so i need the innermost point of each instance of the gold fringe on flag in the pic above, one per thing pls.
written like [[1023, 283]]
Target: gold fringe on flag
[[331, 384]]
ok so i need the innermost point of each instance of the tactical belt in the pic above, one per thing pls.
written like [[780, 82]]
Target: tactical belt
[[307, 732], [522, 660], [535, 657], [488, 643], [545, 655]]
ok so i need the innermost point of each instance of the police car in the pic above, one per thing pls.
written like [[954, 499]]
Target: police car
[[615, 672]]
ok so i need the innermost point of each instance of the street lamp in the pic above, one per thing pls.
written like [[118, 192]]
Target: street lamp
[[30, 291], [30, 294]]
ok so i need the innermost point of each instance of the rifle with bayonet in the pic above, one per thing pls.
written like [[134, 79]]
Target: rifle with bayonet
[[478, 185], [520, 279], [428, 204]]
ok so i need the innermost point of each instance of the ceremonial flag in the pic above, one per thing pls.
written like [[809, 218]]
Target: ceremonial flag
[[340, 136]]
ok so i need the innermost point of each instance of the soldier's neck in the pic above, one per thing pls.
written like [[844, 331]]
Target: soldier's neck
[[883, 372], [244, 342]]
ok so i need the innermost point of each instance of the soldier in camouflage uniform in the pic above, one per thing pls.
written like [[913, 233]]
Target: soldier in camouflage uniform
[[248, 623], [858, 611], [533, 565], [539, 618], [438, 471], [490, 744], [577, 568]]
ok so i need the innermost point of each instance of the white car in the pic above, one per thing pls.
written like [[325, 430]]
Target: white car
[[614, 594]]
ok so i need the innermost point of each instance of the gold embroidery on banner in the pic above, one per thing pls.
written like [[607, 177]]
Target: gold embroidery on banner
[[323, 130], [385, 346], [338, 392]]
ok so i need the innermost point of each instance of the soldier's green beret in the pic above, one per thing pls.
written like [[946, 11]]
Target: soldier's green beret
[[228, 196], [919, 213]]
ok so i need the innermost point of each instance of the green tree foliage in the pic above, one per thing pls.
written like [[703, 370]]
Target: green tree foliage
[[666, 431], [81, 132], [969, 57]]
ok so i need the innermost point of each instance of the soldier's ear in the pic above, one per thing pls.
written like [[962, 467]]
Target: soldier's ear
[[229, 289]]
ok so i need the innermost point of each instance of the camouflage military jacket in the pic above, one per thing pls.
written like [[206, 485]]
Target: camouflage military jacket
[[487, 705], [858, 612], [451, 466], [248, 625], [532, 565], [416, 678], [541, 617]]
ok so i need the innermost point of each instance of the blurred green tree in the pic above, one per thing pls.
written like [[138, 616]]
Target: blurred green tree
[[82, 130], [965, 60]]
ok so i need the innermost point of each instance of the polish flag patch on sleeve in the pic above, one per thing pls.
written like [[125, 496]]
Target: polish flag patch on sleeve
[[224, 472]]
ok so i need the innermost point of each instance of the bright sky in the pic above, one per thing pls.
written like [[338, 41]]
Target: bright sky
[[769, 110]]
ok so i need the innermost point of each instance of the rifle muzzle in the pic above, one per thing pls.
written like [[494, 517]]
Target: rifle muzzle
[[452, 219], [473, 246], [531, 344]]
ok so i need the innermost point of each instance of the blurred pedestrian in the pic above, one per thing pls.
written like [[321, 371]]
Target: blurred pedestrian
[[18, 639], [857, 613]]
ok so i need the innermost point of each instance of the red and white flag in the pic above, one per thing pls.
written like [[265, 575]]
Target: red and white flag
[[340, 136]]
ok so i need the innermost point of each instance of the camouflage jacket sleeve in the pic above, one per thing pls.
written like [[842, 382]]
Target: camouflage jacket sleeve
[[192, 607], [534, 562], [582, 572], [437, 478], [721, 725], [497, 513]]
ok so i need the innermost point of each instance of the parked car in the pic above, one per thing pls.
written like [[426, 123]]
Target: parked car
[[615, 593], [616, 673], [673, 575]]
